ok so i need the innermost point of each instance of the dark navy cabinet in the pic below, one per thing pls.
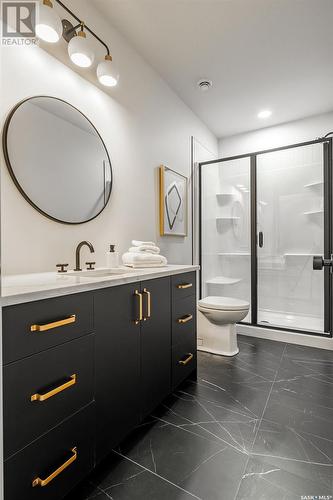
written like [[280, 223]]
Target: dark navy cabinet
[[117, 366], [133, 357], [155, 346], [81, 371], [183, 321]]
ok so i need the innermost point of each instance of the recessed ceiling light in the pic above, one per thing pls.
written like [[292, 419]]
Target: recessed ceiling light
[[265, 113]]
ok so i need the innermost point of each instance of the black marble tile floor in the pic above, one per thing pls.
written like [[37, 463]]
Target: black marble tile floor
[[258, 426]]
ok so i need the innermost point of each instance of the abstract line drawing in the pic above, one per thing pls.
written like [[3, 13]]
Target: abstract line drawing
[[173, 202]]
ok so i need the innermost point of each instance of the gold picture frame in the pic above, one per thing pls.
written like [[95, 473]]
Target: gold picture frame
[[173, 202]]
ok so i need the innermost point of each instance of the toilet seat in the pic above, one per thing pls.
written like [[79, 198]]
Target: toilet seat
[[223, 303]]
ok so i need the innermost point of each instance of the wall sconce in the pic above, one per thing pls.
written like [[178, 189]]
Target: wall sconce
[[50, 28]]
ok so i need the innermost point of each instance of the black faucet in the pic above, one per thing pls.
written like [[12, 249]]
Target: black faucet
[[77, 253]]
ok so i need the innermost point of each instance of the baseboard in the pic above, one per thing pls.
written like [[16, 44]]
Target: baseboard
[[289, 337]]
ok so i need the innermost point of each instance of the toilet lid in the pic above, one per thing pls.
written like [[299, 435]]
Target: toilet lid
[[224, 303]]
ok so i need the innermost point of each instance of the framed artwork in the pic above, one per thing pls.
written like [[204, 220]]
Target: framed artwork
[[173, 202]]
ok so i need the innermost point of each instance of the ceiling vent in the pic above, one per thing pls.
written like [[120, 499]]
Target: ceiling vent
[[204, 84]]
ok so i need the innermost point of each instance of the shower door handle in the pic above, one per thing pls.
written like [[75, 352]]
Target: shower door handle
[[261, 239], [319, 262]]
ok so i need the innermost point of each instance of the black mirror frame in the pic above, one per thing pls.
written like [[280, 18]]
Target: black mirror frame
[[11, 171]]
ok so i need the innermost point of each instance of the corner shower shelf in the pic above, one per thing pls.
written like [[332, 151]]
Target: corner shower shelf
[[223, 219], [223, 196], [223, 280], [314, 184], [234, 254], [314, 212]]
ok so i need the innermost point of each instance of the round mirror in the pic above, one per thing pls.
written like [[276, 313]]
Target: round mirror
[[57, 160]]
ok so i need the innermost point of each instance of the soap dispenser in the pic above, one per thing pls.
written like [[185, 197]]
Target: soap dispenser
[[112, 257]]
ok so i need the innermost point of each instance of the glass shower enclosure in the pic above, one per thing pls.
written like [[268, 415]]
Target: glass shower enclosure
[[263, 218]]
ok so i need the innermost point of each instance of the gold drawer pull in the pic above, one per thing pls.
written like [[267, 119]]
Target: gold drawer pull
[[184, 285], [47, 395], [187, 360], [54, 324], [148, 304], [185, 319], [138, 294], [44, 482]]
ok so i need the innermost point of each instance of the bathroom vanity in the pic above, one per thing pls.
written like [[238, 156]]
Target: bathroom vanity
[[85, 359]]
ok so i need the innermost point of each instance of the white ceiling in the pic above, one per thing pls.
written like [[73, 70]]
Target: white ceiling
[[275, 54]]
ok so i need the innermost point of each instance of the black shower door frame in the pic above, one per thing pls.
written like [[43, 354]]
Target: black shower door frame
[[328, 231]]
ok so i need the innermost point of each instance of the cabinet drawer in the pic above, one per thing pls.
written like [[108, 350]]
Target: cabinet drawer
[[66, 453], [183, 320], [37, 326], [183, 285], [61, 377], [184, 361]]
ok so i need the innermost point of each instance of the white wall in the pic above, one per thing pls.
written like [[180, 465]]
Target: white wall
[[281, 135], [143, 123]]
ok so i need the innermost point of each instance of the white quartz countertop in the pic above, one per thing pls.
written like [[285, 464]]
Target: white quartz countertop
[[16, 289]]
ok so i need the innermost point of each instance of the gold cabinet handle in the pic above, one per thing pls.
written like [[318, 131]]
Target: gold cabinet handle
[[187, 360], [184, 285], [50, 394], [185, 319], [138, 294], [148, 304], [54, 324], [44, 482]]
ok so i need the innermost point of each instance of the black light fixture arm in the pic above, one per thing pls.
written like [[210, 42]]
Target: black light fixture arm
[[74, 28], [82, 24]]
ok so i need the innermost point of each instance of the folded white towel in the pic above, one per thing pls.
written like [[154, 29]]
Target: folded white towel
[[145, 248], [144, 266], [138, 243], [143, 259]]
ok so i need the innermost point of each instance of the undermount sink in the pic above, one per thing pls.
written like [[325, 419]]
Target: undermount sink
[[100, 273]]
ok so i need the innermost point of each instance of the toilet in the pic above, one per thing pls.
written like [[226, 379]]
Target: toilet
[[217, 318]]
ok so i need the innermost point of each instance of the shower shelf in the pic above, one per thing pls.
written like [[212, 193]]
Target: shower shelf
[[223, 280], [227, 218], [314, 184], [314, 212], [224, 196], [234, 254]]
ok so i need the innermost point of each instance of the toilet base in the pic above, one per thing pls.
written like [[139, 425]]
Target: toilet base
[[216, 339], [219, 353]]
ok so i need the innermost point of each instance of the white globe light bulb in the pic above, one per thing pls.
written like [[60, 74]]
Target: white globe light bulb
[[107, 72], [79, 51], [48, 25]]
